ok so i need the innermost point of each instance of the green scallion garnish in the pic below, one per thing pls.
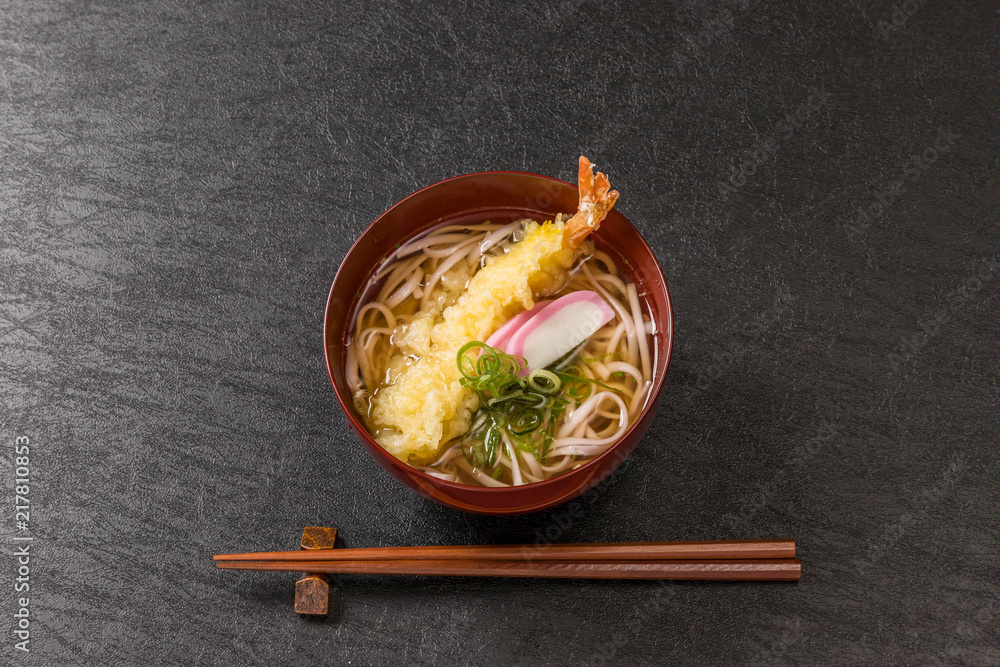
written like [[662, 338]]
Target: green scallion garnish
[[521, 410]]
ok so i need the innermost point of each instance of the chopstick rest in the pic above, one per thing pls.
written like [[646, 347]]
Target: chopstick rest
[[312, 591]]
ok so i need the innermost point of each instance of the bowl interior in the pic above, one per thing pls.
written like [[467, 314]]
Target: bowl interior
[[495, 196]]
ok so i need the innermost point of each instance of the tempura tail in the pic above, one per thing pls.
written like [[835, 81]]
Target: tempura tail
[[426, 405], [596, 199]]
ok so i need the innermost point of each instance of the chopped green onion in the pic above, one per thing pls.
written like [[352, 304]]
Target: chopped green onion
[[514, 407], [492, 443], [525, 422], [544, 381], [504, 397]]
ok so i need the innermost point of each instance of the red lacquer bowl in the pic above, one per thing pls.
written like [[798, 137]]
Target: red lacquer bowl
[[496, 196]]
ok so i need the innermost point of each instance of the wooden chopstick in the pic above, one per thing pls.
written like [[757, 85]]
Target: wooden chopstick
[[765, 569], [616, 551]]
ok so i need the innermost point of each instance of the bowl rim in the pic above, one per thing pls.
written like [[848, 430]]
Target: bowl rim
[[596, 462]]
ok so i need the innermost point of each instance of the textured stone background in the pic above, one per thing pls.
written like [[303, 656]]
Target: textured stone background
[[179, 182]]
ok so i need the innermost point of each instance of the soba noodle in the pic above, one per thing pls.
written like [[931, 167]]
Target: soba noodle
[[429, 273]]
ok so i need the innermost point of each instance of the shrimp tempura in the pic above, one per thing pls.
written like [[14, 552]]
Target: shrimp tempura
[[427, 405]]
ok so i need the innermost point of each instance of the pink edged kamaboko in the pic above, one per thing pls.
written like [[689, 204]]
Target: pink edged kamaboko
[[551, 332], [507, 329]]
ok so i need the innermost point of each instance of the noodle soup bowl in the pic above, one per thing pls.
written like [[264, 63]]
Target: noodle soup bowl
[[498, 197]]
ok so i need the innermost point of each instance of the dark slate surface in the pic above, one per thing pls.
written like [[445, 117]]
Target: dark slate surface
[[180, 181]]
